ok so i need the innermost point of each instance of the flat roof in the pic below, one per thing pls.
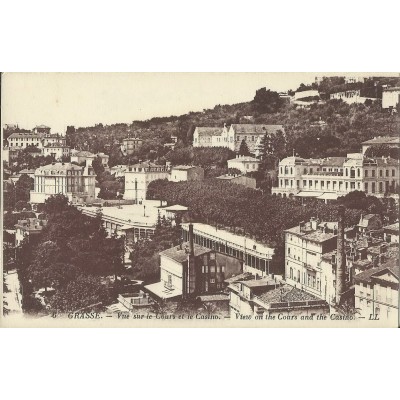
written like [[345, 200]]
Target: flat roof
[[161, 291], [226, 236], [129, 214]]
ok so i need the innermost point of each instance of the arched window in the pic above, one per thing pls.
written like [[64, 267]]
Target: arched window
[[291, 171]]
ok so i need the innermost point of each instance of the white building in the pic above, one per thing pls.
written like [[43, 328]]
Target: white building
[[56, 150], [305, 246], [118, 170], [329, 178], [138, 177], [391, 97], [244, 164], [305, 94], [350, 97], [212, 137], [391, 233], [377, 292], [181, 173], [252, 134], [73, 181]]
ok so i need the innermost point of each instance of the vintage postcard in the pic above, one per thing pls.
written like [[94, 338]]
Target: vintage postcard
[[200, 199]]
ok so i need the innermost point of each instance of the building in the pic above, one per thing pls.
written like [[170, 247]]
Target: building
[[52, 139], [377, 292], [190, 270], [21, 140], [391, 233], [244, 180], [244, 164], [28, 172], [305, 246], [174, 212], [82, 157], [390, 141], [390, 97], [138, 177], [131, 145], [118, 170], [271, 298], [350, 97], [56, 150], [212, 137], [186, 173], [134, 221], [329, 178], [73, 181], [257, 258], [28, 228], [305, 95], [369, 223], [104, 159], [252, 134], [42, 129]]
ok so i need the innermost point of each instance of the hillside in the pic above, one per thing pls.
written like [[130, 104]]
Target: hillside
[[327, 128]]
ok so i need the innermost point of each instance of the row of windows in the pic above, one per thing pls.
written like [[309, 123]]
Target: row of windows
[[309, 280], [205, 269]]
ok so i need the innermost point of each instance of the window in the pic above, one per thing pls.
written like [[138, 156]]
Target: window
[[380, 187], [304, 183], [373, 173], [387, 172], [212, 280], [373, 187], [393, 172], [366, 187], [381, 172]]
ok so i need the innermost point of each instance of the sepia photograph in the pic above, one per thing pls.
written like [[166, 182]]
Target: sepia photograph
[[200, 199]]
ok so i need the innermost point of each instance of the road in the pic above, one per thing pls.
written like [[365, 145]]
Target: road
[[13, 298]]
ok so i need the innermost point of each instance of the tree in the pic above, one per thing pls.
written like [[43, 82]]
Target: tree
[[56, 204], [98, 166], [21, 205], [266, 101], [23, 187], [243, 149], [86, 293]]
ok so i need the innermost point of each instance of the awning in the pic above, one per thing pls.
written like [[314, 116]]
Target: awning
[[309, 194], [328, 196]]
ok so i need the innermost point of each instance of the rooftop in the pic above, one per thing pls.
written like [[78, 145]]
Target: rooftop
[[242, 242], [245, 159], [84, 153], [285, 293], [383, 140], [366, 277], [180, 253], [184, 167], [394, 228], [58, 167], [208, 131], [256, 129]]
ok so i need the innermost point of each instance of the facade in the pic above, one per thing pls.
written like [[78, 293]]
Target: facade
[[138, 177], [212, 137], [30, 227], [305, 246], [390, 97], [271, 298], [130, 145], [181, 173], [73, 181], [252, 134], [350, 97], [118, 170], [391, 233], [391, 141], [42, 129], [244, 164], [190, 270], [332, 177], [83, 156], [377, 292], [56, 150], [21, 140], [257, 258]]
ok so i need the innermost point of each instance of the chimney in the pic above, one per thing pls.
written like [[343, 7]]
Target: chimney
[[191, 240], [301, 226], [341, 257], [189, 267]]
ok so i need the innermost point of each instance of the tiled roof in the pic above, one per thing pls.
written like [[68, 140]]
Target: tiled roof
[[84, 154], [256, 129], [285, 293], [25, 135], [59, 167], [241, 277], [208, 131], [181, 255]]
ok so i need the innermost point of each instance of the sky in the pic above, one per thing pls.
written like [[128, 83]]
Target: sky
[[84, 99]]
